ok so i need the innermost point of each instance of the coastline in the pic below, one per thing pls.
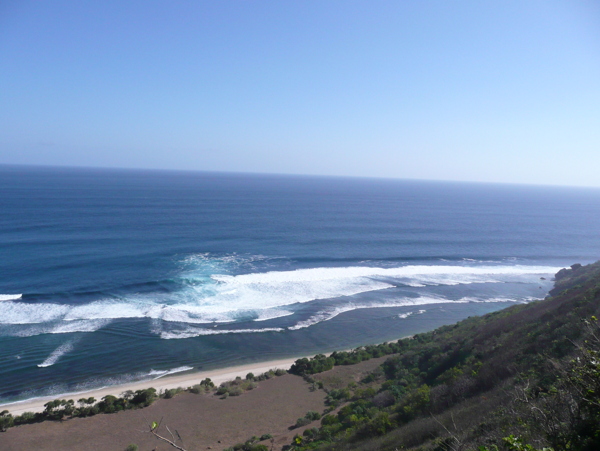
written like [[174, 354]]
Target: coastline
[[168, 381], [162, 383]]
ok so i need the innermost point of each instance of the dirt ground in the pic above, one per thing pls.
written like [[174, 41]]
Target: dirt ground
[[202, 421]]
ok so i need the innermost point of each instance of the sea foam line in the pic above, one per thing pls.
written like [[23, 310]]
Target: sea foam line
[[62, 327], [191, 332]]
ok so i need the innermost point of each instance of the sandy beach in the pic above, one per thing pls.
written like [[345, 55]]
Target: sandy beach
[[163, 383]]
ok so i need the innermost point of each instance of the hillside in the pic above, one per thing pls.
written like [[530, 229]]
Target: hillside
[[522, 378]]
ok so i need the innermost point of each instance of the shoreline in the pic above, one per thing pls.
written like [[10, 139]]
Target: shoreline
[[162, 383], [167, 381]]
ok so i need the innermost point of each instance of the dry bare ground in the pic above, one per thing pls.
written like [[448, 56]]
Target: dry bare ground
[[204, 422]]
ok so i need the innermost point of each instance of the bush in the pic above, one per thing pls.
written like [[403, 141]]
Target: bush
[[132, 447], [259, 448], [235, 391], [207, 382], [6, 420], [143, 398], [27, 418], [170, 393], [312, 415], [302, 422]]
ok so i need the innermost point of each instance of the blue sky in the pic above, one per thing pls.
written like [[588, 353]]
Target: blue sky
[[465, 90]]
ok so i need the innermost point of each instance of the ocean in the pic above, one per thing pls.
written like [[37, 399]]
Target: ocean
[[111, 276]]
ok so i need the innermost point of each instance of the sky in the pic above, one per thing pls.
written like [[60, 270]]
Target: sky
[[492, 91]]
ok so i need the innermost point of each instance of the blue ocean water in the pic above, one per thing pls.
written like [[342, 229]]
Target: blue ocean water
[[109, 276]]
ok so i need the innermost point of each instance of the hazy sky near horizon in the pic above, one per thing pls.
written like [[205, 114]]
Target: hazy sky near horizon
[[467, 90]]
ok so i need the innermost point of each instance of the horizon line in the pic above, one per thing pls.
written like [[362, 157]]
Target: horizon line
[[288, 174]]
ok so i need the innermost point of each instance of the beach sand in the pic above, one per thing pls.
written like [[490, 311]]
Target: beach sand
[[163, 383]]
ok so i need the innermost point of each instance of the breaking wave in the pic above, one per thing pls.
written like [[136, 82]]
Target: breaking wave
[[204, 294], [57, 354], [157, 374], [10, 297], [407, 314]]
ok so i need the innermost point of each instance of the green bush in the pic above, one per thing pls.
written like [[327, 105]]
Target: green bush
[[259, 447], [312, 415], [302, 422], [235, 391], [6, 420]]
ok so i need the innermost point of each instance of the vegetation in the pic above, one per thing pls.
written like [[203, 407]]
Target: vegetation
[[524, 378], [252, 444], [321, 363]]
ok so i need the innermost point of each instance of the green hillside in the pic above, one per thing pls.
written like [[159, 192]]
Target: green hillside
[[524, 378]]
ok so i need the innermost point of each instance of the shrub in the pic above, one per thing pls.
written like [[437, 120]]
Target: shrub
[[6, 420], [169, 393], [143, 398], [302, 422], [197, 389], [235, 391], [222, 389], [207, 382], [312, 415], [259, 448]]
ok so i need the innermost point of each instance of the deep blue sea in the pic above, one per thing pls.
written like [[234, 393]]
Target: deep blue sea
[[110, 276]]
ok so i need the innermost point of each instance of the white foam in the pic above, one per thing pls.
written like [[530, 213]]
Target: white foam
[[265, 315], [206, 298], [190, 332], [61, 327], [158, 374], [57, 354], [328, 314], [23, 313], [10, 297], [407, 314]]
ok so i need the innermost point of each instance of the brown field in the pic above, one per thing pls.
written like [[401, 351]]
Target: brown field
[[201, 420]]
